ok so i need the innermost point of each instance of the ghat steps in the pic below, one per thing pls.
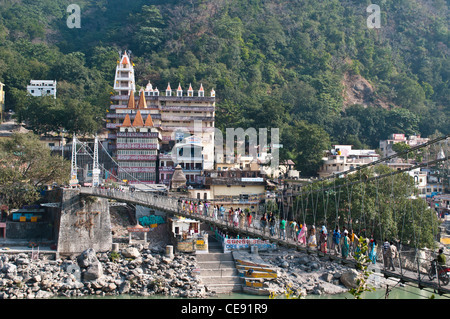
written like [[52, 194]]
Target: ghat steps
[[218, 270]]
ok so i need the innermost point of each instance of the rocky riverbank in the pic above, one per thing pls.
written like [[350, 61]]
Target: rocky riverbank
[[134, 270], [306, 274], [142, 271]]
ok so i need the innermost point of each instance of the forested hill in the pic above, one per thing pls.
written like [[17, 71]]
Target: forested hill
[[309, 67]]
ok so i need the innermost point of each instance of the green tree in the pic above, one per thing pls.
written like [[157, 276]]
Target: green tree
[[148, 26], [25, 166], [305, 144]]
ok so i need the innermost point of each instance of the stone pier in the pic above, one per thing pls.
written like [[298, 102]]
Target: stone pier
[[84, 223]]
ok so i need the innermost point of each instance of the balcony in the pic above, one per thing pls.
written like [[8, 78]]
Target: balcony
[[188, 108], [137, 146], [165, 157], [136, 157], [136, 169], [113, 125], [165, 117], [119, 97], [139, 134], [187, 128]]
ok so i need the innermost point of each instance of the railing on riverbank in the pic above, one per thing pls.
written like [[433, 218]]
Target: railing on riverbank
[[412, 264]]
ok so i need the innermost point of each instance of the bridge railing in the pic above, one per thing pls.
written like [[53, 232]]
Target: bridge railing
[[413, 261], [161, 202]]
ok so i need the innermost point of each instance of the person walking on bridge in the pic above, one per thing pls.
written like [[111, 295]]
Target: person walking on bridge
[[282, 228], [271, 221], [293, 229], [302, 234], [345, 245], [263, 223], [393, 255], [323, 240], [386, 253], [336, 240]]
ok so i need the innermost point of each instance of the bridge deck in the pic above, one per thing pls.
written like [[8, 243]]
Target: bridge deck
[[172, 205]]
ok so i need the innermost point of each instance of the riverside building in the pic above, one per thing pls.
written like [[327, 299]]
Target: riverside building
[[176, 114]]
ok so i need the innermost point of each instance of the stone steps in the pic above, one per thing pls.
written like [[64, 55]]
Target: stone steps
[[218, 270]]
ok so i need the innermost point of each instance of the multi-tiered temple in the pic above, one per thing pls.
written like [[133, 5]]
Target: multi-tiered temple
[[176, 115]]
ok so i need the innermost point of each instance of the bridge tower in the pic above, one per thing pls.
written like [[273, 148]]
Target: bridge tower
[[73, 172], [95, 166]]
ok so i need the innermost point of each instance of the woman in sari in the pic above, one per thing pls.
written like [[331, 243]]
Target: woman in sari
[[345, 246], [323, 240], [312, 241], [302, 235], [373, 251], [249, 219]]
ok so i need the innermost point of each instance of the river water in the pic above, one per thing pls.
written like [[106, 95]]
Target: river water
[[395, 293]]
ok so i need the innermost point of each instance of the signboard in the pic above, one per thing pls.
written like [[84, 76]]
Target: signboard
[[245, 243], [138, 229], [186, 246], [201, 245]]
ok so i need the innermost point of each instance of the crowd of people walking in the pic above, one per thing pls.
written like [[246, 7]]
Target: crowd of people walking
[[340, 242]]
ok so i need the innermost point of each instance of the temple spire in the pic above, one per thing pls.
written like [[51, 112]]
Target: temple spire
[[131, 101], [149, 121], [138, 121], [126, 121], [142, 104]]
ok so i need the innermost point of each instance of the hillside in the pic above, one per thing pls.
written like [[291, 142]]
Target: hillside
[[305, 66]]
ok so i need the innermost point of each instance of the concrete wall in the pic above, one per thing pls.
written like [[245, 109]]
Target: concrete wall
[[84, 223], [38, 231]]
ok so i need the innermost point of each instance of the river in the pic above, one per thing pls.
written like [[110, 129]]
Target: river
[[395, 293]]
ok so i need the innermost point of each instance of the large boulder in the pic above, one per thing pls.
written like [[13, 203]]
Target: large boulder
[[93, 272], [9, 268], [87, 258], [350, 278], [131, 252], [92, 267]]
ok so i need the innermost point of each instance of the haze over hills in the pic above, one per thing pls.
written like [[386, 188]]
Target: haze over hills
[[311, 68]]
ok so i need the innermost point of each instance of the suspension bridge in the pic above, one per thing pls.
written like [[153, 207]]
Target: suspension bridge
[[304, 206]]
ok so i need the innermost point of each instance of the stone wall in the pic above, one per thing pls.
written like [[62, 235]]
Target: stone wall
[[84, 223], [37, 231]]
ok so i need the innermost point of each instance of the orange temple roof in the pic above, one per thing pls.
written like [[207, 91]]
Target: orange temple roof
[[131, 101], [149, 121], [138, 121], [142, 104], [126, 121]]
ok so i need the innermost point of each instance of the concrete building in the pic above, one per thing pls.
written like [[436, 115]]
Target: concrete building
[[343, 158], [137, 149], [42, 88], [124, 82], [233, 188], [176, 113], [412, 141]]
